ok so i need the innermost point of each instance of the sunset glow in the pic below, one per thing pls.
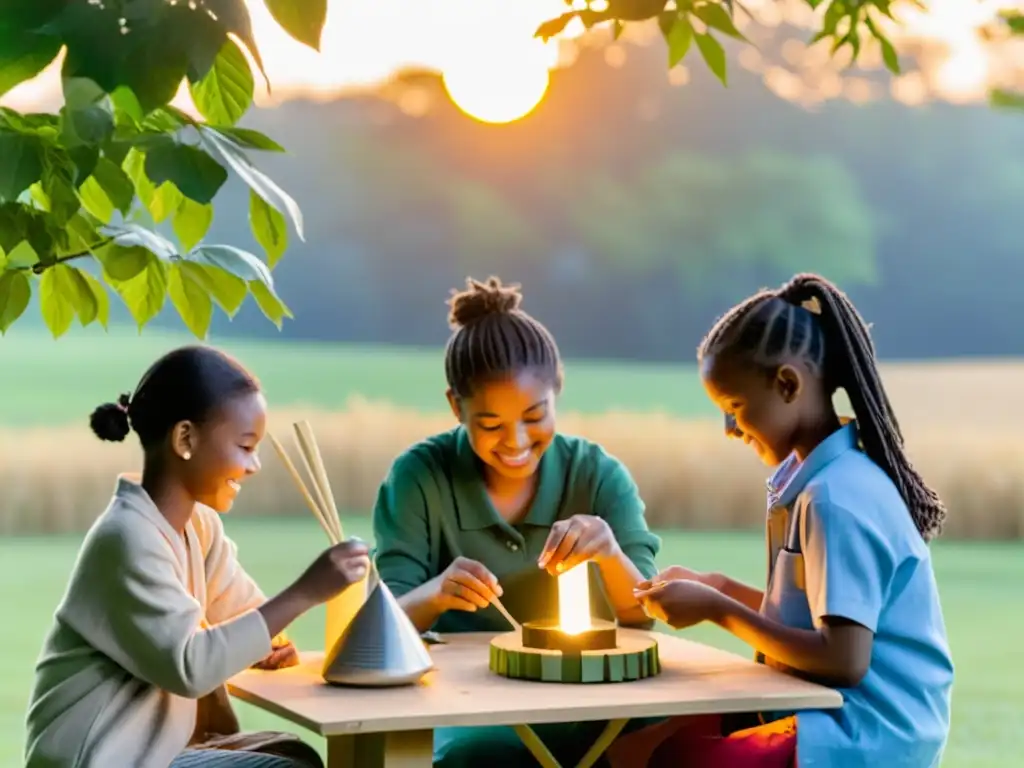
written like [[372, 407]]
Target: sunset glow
[[495, 71]]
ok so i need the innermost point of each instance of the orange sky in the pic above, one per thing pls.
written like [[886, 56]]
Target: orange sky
[[480, 42]]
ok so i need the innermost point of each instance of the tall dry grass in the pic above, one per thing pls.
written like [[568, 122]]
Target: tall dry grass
[[58, 480]]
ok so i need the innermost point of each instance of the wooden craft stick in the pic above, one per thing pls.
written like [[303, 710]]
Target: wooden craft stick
[[508, 616], [317, 491], [310, 502], [305, 433]]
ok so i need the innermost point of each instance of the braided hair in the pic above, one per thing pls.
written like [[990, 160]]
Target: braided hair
[[810, 319], [493, 338]]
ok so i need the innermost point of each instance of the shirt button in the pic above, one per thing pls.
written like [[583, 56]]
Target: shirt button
[[512, 545]]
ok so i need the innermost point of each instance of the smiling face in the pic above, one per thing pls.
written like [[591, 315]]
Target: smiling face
[[762, 409], [510, 423], [222, 449]]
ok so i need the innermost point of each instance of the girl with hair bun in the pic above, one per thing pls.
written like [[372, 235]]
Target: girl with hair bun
[[499, 503], [158, 613]]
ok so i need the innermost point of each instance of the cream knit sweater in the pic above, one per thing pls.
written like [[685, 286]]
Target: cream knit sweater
[[150, 622]]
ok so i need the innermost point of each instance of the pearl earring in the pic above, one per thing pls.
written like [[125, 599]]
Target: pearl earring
[[186, 455]]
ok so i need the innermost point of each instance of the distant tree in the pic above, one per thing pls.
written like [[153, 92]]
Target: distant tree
[[707, 217]]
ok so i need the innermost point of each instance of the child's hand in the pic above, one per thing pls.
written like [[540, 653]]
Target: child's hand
[[681, 603], [576, 540], [337, 568], [283, 655], [679, 573]]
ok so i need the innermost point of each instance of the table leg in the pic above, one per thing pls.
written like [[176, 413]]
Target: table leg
[[543, 755], [401, 749]]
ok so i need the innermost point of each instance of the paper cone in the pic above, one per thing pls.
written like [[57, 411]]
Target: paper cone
[[379, 647]]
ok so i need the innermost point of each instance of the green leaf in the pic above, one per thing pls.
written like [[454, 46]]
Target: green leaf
[[58, 294], [190, 298], [246, 138], [166, 200], [85, 302], [1001, 98], [302, 19], [22, 164], [145, 293], [23, 56], [126, 104], [129, 235], [269, 303], [268, 227], [23, 256], [235, 261], [227, 290], [85, 159], [716, 17], [134, 166], [889, 55], [82, 234], [226, 92], [15, 294], [257, 181], [234, 16], [88, 113], [192, 222], [58, 184], [714, 55], [197, 175], [100, 297], [122, 263], [115, 184], [679, 39]]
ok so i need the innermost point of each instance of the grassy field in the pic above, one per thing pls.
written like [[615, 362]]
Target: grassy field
[[47, 382], [980, 585]]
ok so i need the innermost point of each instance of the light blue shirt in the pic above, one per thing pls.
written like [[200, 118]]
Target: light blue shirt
[[841, 543]]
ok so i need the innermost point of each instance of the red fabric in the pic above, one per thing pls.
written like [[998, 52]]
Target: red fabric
[[697, 742]]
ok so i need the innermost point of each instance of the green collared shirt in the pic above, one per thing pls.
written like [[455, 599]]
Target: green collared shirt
[[433, 507]]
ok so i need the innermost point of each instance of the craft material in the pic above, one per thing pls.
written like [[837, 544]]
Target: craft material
[[370, 641], [576, 648]]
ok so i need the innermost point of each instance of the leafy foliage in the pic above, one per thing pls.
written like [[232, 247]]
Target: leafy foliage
[[78, 188], [845, 24]]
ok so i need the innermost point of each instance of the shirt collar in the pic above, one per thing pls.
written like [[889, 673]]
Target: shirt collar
[[475, 510], [792, 476]]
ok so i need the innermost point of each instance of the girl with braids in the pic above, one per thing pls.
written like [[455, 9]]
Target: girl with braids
[[500, 503], [851, 599], [158, 612]]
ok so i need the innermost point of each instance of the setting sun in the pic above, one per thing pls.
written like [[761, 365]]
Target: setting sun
[[498, 89]]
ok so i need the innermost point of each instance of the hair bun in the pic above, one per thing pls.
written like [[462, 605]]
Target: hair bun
[[482, 299], [110, 420]]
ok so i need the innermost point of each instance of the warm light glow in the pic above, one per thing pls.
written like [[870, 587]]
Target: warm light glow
[[574, 600], [498, 90]]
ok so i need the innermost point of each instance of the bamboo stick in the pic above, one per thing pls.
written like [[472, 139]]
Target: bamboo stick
[[310, 502], [305, 434]]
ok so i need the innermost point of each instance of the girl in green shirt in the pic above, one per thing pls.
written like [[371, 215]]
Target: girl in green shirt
[[500, 504]]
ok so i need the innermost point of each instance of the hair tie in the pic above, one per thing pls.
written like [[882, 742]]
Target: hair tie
[[124, 402]]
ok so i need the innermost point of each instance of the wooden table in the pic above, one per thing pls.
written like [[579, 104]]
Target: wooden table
[[393, 728]]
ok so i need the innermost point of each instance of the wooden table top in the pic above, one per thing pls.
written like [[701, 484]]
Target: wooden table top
[[461, 690]]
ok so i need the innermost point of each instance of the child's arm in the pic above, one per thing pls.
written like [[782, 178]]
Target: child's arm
[[848, 566], [752, 597]]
